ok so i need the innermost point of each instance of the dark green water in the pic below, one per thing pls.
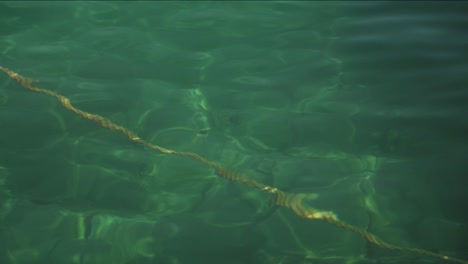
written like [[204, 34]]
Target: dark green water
[[363, 104]]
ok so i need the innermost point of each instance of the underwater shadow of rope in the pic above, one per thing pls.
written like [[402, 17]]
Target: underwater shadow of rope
[[293, 201]]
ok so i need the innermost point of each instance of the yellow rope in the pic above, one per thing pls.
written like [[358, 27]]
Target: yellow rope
[[292, 201]]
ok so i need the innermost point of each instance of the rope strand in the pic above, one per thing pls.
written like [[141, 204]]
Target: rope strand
[[293, 201]]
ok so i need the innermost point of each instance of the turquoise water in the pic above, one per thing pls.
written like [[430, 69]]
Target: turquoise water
[[361, 105]]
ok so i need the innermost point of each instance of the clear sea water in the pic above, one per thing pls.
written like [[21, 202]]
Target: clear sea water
[[361, 106]]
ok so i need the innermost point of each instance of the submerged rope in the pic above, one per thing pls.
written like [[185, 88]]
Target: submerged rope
[[293, 201]]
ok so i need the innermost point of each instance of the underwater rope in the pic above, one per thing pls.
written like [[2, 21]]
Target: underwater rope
[[292, 201]]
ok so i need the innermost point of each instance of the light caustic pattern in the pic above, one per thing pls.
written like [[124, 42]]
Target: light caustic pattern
[[293, 201]]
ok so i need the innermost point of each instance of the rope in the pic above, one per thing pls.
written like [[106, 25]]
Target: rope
[[293, 201]]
